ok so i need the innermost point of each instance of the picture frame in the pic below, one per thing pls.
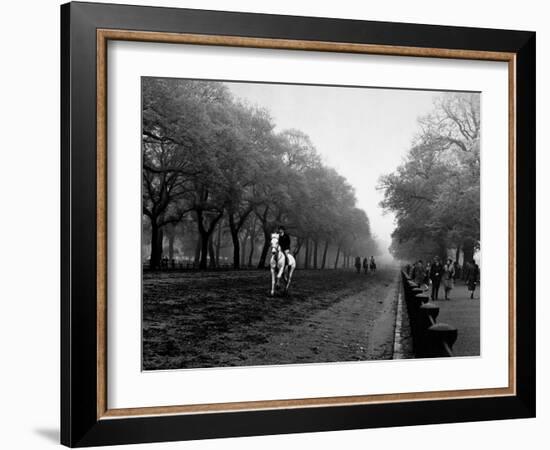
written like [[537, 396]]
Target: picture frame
[[86, 419]]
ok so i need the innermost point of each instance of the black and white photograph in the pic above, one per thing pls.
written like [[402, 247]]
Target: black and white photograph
[[295, 224]]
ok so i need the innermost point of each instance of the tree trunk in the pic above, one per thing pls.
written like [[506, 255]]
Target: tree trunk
[[156, 246], [251, 254], [211, 253], [204, 251], [267, 236], [337, 258], [161, 244], [234, 230], [171, 239], [306, 261], [234, 227], [198, 250], [324, 261], [218, 244], [265, 248], [205, 233], [315, 247], [243, 252], [252, 232], [298, 247]]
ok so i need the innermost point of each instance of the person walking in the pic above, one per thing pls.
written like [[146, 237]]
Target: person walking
[[448, 277], [466, 267], [366, 265], [427, 280], [472, 278], [458, 269], [436, 272], [418, 273]]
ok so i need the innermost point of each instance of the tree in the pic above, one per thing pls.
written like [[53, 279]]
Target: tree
[[210, 161], [167, 160], [251, 142], [181, 122], [435, 192]]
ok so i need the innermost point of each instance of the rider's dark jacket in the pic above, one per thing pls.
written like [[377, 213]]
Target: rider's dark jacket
[[284, 242]]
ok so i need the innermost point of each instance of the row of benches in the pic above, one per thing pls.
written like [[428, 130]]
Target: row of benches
[[430, 338]]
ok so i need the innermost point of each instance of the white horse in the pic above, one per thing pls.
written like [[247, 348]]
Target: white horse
[[277, 264]]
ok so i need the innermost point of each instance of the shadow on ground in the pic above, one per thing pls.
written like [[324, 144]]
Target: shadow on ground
[[49, 434]]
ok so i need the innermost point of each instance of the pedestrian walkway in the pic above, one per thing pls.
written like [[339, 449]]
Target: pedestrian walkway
[[463, 313]]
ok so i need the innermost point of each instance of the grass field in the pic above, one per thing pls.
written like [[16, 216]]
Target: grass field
[[213, 319]]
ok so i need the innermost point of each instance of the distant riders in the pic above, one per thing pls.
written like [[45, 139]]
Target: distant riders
[[372, 264], [368, 263]]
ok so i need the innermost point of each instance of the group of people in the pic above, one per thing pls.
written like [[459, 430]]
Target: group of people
[[436, 273], [366, 264]]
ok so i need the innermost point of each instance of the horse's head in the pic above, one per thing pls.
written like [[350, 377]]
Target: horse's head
[[274, 243]]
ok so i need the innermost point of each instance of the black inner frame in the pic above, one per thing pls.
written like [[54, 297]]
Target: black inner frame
[[79, 424]]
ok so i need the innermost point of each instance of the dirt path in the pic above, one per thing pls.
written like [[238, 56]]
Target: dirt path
[[227, 319], [358, 327]]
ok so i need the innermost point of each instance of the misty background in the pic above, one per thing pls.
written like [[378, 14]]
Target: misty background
[[362, 132]]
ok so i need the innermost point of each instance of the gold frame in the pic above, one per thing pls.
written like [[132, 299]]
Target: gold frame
[[103, 36]]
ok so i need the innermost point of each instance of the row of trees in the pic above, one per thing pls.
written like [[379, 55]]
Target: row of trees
[[215, 170], [435, 193]]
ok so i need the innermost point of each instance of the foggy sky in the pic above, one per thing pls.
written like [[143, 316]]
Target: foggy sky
[[361, 132]]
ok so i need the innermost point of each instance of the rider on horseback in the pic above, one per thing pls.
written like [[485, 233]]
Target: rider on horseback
[[282, 263], [284, 242]]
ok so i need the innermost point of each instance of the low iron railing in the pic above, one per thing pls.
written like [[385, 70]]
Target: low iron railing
[[430, 338]]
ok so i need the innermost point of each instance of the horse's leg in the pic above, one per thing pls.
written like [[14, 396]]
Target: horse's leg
[[280, 273], [272, 281], [290, 272]]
